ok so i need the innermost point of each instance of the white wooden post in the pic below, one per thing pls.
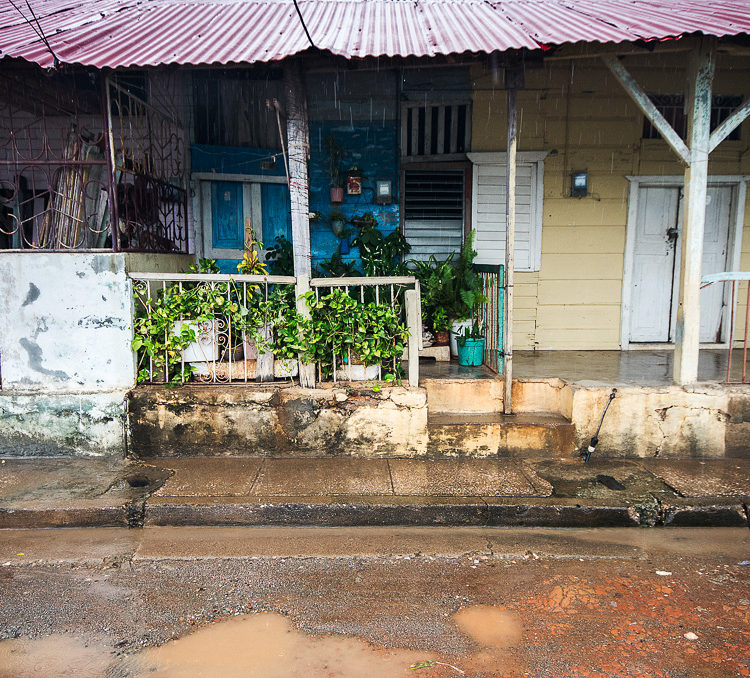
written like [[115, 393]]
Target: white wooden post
[[510, 235], [264, 366], [687, 330], [411, 299], [298, 146], [306, 371]]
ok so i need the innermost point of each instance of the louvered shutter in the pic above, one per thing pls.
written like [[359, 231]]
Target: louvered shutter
[[488, 212]]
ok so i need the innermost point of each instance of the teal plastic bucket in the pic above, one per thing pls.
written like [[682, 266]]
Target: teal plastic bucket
[[471, 352]]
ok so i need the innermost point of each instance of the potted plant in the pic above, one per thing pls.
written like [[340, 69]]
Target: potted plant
[[467, 291], [441, 325], [471, 345], [335, 156], [337, 222]]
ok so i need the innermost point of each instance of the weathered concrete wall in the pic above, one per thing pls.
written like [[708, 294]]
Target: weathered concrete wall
[[653, 422], [67, 323], [65, 357], [278, 420], [54, 425]]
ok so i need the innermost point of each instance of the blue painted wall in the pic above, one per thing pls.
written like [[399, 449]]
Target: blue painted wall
[[371, 146]]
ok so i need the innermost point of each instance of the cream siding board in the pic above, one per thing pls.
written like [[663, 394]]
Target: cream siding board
[[579, 115]]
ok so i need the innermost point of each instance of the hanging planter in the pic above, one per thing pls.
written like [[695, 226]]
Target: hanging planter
[[337, 194], [337, 223]]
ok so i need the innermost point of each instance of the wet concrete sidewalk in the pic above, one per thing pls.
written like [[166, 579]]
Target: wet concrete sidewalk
[[357, 492]]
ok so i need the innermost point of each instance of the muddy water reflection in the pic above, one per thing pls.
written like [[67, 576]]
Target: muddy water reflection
[[256, 646], [268, 646]]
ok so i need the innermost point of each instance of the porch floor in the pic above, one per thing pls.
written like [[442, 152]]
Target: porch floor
[[634, 368]]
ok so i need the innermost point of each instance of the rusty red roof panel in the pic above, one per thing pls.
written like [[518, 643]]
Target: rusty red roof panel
[[120, 33]]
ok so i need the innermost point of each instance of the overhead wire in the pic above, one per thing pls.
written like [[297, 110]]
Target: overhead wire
[[37, 29], [304, 26]]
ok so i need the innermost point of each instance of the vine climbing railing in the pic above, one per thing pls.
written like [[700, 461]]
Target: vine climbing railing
[[224, 329]]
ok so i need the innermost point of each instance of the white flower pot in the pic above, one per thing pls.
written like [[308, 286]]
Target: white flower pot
[[283, 369], [205, 348], [357, 372], [457, 328]]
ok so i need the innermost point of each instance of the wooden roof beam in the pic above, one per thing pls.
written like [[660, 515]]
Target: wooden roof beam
[[735, 119], [647, 106]]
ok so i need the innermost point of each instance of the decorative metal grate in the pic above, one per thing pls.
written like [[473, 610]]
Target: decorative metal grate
[[148, 160], [491, 314], [71, 147]]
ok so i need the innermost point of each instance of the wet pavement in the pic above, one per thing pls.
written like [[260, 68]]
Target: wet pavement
[[350, 491], [382, 602]]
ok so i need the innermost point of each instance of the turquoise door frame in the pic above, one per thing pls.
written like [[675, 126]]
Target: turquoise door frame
[[232, 202]]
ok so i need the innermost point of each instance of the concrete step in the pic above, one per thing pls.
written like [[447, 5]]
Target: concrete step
[[464, 395], [529, 434]]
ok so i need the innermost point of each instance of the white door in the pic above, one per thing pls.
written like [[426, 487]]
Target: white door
[[656, 263]]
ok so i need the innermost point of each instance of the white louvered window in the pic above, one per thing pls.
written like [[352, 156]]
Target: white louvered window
[[488, 209], [434, 212]]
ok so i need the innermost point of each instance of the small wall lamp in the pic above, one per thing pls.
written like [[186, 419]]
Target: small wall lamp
[[579, 184]]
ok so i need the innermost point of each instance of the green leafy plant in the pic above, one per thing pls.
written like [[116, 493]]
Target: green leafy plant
[[280, 257], [441, 322], [473, 331], [336, 267], [467, 284], [381, 255], [340, 326], [335, 155], [159, 336]]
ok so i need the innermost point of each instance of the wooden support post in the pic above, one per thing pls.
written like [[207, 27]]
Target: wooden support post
[[298, 145], [510, 236], [411, 298], [687, 331], [306, 371]]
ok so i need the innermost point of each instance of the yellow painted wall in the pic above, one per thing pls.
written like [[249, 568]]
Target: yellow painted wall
[[577, 112]]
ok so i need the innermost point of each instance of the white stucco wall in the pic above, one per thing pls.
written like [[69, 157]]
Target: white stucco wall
[[65, 322]]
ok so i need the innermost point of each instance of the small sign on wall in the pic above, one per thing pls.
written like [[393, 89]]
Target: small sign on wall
[[354, 185]]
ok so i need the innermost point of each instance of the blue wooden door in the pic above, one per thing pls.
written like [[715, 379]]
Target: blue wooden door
[[227, 215], [276, 213]]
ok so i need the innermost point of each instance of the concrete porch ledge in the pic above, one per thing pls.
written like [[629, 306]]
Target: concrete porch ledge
[[326, 492]]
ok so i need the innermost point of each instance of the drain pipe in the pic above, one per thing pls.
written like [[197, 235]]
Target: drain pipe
[[595, 440]]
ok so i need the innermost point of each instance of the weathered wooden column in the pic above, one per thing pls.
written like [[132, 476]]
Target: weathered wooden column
[[298, 145], [513, 79], [687, 330]]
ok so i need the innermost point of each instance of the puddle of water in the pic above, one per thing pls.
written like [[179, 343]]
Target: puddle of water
[[489, 626], [255, 646], [53, 656], [268, 646]]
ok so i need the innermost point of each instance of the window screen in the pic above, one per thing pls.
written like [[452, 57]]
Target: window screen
[[434, 212], [672, 107]]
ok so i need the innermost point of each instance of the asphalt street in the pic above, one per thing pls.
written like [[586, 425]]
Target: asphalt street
[[326, 602]]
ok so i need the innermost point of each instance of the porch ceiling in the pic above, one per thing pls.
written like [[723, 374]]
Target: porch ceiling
[[121, 33]]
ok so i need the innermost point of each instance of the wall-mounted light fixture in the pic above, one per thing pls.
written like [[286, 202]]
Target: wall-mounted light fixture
[[579, 184], [383, 193]]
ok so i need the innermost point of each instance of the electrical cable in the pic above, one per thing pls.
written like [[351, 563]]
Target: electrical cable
[[38, 30], [302, 21]]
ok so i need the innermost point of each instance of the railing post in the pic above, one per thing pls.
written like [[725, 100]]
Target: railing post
[[306, 370], [415, 331]]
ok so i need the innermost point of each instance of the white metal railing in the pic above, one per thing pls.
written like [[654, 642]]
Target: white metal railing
[[224, 329], [733, 277]]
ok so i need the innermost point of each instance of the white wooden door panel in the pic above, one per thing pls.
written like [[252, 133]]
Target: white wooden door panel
[[653, 264], [715, 247]]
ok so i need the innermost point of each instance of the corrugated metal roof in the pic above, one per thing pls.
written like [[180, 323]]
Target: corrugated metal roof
[[111, 33]]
